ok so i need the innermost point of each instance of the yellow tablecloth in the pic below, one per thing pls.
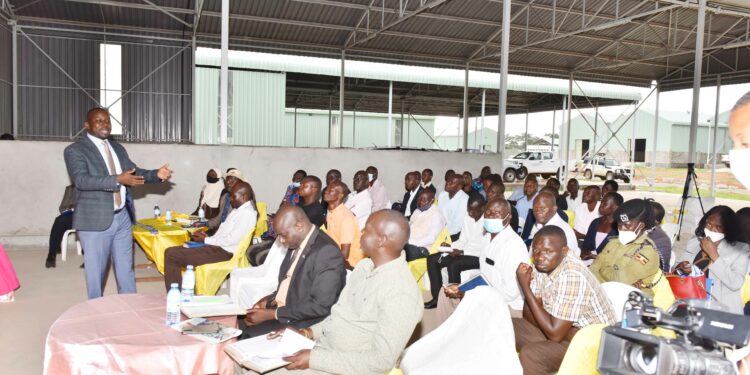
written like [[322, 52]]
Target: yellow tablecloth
[[154, 245]]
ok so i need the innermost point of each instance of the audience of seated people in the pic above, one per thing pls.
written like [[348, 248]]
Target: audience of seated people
[[524, 202], [587, 211], [309, 193], [377, 190], [427, 180], [425, 226], [220, 246], [468, 185], [291, 196], [602, 228], [376, 313], [632, 259], [341, 224], [408, 205], [478, 183], [231, 177], [210, 194], [331, 176], [716, 249], [502, 252], [610, 186], [545, 213], [659, 237], [311, 277], [359, 201], [572, 196], [452, 203], [561, 296], [496, 190], [63, 222], [465, 251]]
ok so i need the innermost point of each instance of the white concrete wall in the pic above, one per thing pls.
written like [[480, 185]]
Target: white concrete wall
[[34, 176]]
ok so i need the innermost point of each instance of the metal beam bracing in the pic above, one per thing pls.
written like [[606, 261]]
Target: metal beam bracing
[[398, 21], [168, 13], [365, 13], [499, 31]]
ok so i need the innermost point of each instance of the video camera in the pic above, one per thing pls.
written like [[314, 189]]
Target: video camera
[[702, 338]]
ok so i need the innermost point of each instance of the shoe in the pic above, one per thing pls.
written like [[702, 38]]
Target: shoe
[[430, 305], [49, 263], [81, 265]]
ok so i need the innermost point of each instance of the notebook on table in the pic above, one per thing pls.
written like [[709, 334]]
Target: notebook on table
[[263, 355]]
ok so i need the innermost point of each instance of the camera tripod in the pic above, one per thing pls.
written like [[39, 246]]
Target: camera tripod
[[691, 177]]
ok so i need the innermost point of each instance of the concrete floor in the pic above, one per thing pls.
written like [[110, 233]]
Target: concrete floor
[[46, 293]]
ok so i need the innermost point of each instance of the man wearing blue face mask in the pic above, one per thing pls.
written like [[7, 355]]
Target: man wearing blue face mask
[[465, 254], [425, 225], [739, 131]]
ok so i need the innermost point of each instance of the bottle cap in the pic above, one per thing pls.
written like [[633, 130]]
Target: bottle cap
[[173, 285], [189, 267]]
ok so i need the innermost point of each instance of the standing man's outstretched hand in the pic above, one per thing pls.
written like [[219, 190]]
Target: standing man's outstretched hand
[[164, 173]]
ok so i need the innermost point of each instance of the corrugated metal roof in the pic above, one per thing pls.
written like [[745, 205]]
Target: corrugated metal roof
[[413, 74]]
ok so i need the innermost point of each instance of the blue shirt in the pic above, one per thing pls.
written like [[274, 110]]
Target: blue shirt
[[523, 205]]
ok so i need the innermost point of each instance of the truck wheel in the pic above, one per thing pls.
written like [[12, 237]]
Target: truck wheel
[[626, 180], [522, 173], [587, 174], [609, 176], [509, 175]]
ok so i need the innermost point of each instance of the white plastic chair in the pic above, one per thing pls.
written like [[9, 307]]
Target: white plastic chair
[[64, 244], [618, 294]]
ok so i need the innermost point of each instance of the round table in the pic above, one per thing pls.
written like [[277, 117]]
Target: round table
[[168, 234], [127, 334]]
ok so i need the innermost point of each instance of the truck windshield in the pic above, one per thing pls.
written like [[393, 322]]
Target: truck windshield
[[611, 163], [523, 155]]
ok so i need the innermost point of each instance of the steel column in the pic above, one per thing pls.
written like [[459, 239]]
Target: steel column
[[526, 133], [554, 119], [656, 135], [564, 171], [713, 141], [503, 105], [224, 74], [295, 127], [15, 78], [596, 130], [390, 113], [340, 141], [698, 68], [481, 141], [632, 149], [466, 109], [192, 91]]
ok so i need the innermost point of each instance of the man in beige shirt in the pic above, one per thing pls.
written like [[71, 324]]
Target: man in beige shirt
[[376, 313]]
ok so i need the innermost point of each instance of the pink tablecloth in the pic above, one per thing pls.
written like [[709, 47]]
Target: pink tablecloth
[[126, 334]]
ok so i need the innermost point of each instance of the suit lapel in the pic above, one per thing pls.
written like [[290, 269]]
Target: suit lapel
[[92, 148]]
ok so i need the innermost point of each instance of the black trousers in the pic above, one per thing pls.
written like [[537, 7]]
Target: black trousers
[[455, 265], [261, 329], [415, 252], [62, 223]]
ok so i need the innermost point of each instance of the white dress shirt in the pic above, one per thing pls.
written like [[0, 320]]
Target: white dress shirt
[[499, 262], [412, 196], [378, 195], [570, 236], [574, 203], [239, 222], [454, 210], [472, 240], [523, 205], [425, 227], [584, 217], [360, 204], [118, 168]]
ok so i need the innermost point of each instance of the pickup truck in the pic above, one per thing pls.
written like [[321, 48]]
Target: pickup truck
[[604, 168], [544, 163]]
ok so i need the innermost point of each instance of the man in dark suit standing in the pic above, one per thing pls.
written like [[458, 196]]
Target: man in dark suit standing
[[413, 188], [102, 173], [311, 277]]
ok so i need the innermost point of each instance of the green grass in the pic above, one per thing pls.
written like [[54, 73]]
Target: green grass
[[678, 190]]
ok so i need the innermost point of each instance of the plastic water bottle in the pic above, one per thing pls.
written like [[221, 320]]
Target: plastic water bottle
[[201, 214], [157, 212], [188, 284], [168, 215], [173, 305]]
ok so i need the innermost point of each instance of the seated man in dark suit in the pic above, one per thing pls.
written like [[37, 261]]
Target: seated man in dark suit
[[409, 204], [311, 277], [531, 220], [62, 223]]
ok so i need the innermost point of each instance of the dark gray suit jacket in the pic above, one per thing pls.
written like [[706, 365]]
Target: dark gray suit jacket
[[88, 172], [316, 283]]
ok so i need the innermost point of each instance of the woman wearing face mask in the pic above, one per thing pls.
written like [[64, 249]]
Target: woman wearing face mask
[[210, 194], [716, 249], [631, 257]]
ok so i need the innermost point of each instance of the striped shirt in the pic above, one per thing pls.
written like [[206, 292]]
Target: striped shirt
[[572, 293]]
